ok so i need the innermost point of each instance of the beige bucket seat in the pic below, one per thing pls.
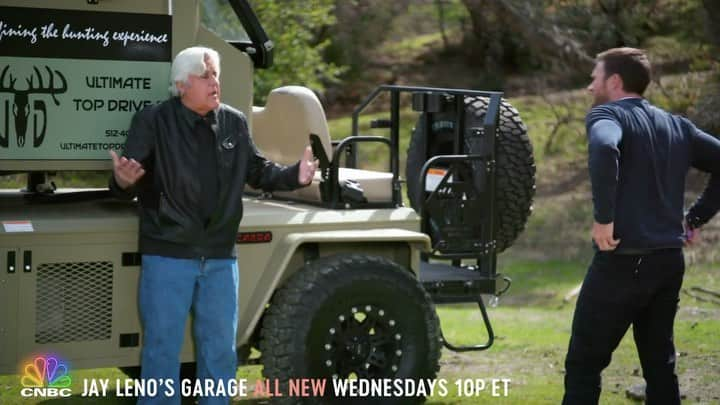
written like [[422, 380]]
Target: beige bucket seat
[[281, 132]]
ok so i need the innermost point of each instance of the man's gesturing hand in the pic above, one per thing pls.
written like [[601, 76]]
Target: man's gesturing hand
[[602, 234], [308, 165], [692, 235], [126, 172]]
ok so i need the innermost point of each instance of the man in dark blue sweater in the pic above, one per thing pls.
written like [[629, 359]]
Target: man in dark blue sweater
[[639, 156]]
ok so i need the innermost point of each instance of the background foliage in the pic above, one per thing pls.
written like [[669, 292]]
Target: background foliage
[[295, 27]]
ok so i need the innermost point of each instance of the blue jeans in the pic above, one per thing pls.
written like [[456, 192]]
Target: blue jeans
[[169, 289]]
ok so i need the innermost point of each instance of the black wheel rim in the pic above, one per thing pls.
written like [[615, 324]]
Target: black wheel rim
[[362, 341]]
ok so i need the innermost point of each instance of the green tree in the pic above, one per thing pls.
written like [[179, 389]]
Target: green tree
[[294, 27]]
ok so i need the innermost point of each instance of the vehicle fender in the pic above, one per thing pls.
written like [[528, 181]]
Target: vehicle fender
[[278, 268]]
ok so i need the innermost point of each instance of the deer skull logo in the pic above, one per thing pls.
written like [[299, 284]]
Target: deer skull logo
[[21, 107]]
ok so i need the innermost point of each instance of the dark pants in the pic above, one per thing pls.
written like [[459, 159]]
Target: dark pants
[[620, 290]]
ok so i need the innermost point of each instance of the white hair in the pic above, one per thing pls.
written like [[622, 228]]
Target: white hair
[[191, 61]]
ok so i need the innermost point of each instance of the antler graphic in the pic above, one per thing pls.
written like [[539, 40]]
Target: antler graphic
[[3, 88], [50, 89], [21, 106]]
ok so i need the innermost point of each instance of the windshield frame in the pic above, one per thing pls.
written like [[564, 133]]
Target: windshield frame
[[260, 47]]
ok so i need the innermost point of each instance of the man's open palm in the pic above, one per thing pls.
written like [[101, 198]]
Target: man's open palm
[[308, 165], [126, 172]]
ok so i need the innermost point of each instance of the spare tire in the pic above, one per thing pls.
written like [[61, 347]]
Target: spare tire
[[515, 175]]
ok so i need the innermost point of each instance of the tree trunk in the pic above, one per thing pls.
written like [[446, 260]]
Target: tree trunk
[[441, 22], [527, 20], [712, 8], [706, 113]]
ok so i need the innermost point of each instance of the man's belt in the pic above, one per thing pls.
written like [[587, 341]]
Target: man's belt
[[629, 251]]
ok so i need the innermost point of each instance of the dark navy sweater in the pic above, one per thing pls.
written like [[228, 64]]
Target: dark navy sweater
[[639, 156]]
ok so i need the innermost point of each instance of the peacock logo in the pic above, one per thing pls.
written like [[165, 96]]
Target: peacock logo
[[46, 376]]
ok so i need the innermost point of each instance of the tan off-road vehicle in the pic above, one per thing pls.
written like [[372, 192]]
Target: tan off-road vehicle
[[339, 279]]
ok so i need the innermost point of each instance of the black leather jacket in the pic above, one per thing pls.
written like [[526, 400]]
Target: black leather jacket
[[162, 138]]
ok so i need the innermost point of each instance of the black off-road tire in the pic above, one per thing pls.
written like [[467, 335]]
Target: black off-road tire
[[515, 175], [350, 314]]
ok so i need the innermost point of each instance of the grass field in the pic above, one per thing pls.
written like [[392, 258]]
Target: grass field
[[533, 330], [532, 326]]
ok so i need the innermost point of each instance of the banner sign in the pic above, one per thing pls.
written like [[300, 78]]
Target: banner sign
[[70, 81]]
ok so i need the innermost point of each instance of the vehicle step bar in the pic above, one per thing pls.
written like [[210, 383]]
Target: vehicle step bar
[[446, 283]]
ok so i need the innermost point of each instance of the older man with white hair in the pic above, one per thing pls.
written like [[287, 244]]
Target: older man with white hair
[[187, 160]]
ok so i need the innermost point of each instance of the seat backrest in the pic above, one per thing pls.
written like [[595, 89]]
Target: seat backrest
[[282, 128]]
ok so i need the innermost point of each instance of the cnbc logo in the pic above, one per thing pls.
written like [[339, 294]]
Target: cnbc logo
[[45, 376]]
